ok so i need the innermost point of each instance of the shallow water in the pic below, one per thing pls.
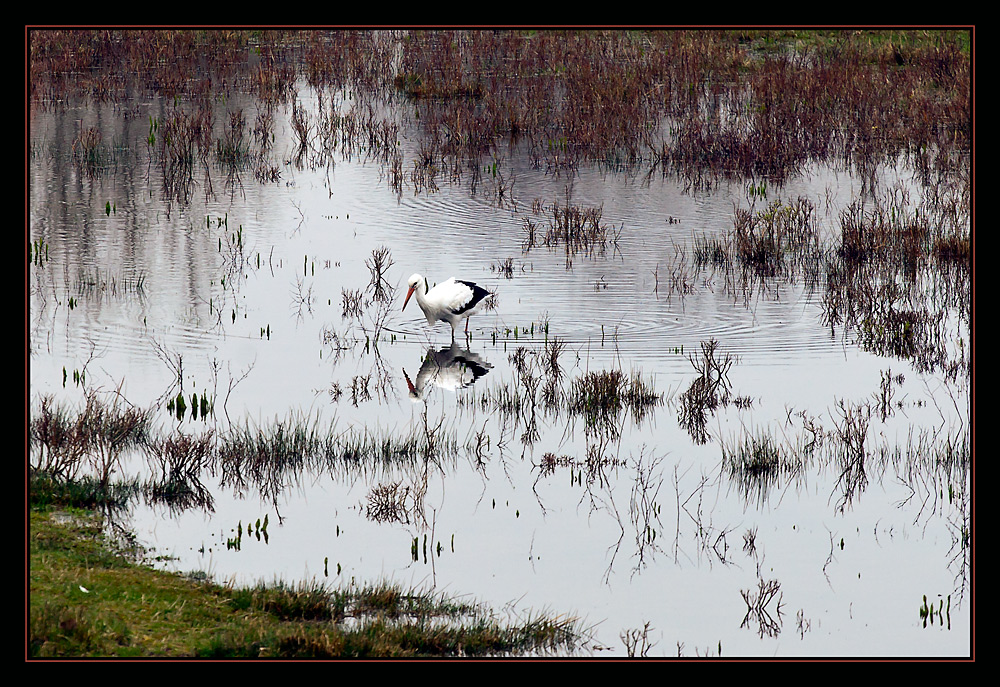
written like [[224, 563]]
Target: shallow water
[[252, 329]]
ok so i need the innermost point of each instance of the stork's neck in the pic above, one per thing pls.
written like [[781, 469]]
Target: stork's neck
[[429, 309]]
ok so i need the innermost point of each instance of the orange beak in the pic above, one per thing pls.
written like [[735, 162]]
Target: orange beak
[[408, 294]]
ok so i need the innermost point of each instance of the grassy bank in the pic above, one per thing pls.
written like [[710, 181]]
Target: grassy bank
[[91, 596]]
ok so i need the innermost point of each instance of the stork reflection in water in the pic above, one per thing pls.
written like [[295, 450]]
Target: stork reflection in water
[[451, 368]]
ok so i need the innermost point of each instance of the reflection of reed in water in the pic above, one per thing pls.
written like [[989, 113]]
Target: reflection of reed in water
[[449, 368]]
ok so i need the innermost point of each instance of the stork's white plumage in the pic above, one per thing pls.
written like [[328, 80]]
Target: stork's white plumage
[[450, 301]]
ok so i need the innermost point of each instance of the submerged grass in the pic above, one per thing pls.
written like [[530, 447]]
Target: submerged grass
[[84, 448], [899, 274], [602, 399], [934, 465], [895, 274]]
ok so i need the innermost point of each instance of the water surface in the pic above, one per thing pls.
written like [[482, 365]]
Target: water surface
[[243, 287]]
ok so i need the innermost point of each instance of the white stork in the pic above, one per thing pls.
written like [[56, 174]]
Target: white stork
[[451, 301]]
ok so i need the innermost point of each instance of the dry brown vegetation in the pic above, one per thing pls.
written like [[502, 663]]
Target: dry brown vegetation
[[696, 103]]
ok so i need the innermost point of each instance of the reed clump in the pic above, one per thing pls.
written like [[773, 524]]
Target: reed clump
[[178, 463], [601, 396], [757, 464], [709, 390], [762, 241], [96, 436], [953, 249], [576, 229]]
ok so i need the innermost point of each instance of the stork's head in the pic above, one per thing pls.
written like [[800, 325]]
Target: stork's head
[[414, 282]]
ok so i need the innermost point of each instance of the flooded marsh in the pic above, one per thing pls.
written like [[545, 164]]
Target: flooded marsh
[[717, 401]]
